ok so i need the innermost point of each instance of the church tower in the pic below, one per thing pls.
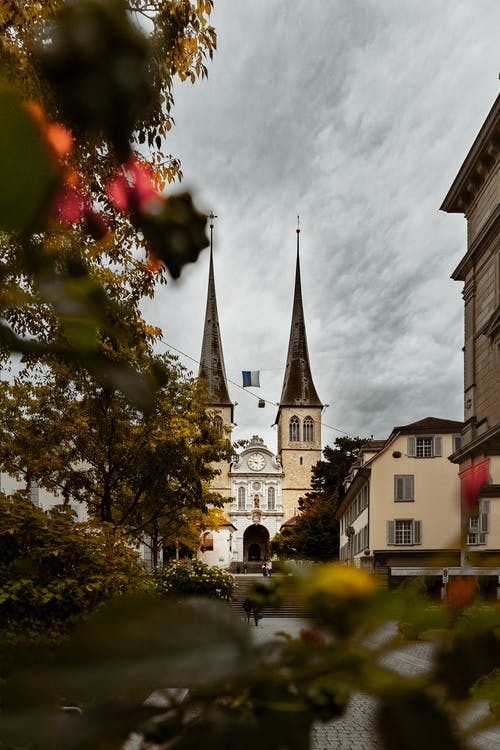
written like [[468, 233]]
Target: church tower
[[299, 410], [213, 372]]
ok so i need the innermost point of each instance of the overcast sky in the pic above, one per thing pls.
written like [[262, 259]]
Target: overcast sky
[[355, 114]]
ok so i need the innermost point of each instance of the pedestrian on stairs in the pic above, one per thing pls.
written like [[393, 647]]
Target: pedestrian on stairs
[[251, 608]]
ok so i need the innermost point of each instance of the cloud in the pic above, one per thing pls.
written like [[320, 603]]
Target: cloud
[[357, 115]]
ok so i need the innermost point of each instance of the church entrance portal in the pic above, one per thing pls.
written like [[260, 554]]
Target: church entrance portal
[[256, 543], [254, 552]]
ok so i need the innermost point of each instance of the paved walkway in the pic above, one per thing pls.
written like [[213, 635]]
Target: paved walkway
[[355, 730]]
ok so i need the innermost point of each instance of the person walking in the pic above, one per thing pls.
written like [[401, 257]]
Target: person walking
[[257, 614], [264, 570], [269, 567], [251, 608], [248, 607]]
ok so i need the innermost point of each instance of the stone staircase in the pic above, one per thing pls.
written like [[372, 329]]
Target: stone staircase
[[289, 607]]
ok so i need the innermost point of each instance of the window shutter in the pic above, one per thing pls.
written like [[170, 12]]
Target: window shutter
[[391, 532], [408, 488], [485, 506], [437, 446], [481, 538], [417, 532], [398, 488], [403, 487], [483, 522], [411, 449]]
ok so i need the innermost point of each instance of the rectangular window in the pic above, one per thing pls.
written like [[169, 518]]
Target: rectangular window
[[424, 447], [456, 441], [476, 537], [404, 487], [364, 496], [404, 532], [241, 498], [478, 524], [34, 493], [271, 498]]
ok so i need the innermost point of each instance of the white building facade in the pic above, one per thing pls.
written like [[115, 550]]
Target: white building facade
[[256, 509]]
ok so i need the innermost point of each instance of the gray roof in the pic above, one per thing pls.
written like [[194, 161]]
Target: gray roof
[[298, 386], [430, 425], [212, 368]]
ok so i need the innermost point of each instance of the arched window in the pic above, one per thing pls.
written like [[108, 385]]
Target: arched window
[[294, 430], [271, 498], [308, 430], [218, 424], [207, 541], [241, 498]]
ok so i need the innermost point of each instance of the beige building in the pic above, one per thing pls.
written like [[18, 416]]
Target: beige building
[[408, 510], [263, 486], [475, 193], [401, 512]]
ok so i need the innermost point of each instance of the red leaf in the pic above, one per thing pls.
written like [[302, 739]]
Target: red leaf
[[472, 480], [69, 204], [119, 193]]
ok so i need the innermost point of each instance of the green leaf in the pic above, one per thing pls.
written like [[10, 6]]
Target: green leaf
[[413, 721], [269, 730], [469, 657], [139, 645], [28, 172]]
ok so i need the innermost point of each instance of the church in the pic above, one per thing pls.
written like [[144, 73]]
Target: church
[[262, 487]]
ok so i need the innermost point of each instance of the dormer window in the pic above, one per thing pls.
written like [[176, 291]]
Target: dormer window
[[424, 447]]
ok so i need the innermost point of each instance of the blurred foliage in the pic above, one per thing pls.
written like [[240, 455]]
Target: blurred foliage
[[187, 673], [86, 233], [54, 572], [194, 579], [85, 230]]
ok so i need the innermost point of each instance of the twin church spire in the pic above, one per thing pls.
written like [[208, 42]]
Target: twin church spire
[[298, 387], [212, 368]]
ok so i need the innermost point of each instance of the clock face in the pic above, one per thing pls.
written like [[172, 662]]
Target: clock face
[[256, 461]]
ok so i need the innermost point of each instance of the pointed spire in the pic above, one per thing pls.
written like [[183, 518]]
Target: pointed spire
[[298, 386], [212, 368]]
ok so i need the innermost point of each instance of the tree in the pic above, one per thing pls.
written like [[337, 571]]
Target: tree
[[314, 533], [180, 535], [328, 475], [86, 116], [55, 572], [146, 473]]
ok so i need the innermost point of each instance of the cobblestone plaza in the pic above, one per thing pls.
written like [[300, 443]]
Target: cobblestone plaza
[[355, 730]]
